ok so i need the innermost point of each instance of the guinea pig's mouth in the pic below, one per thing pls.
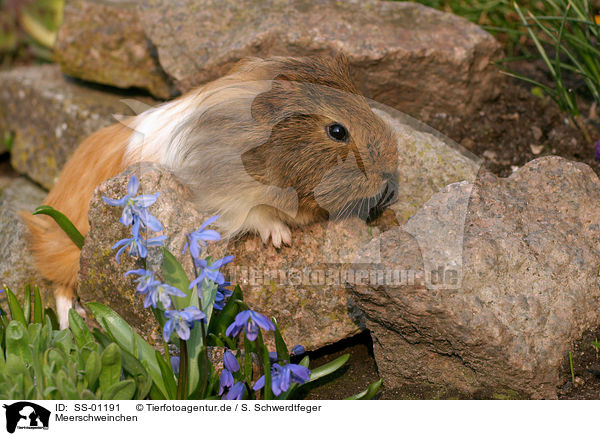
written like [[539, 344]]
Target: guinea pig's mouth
[[370, 208]]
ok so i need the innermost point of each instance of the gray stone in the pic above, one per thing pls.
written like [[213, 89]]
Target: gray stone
[[403, 54], [494, 281], [16, 266], [104, 42], [303, 286], [50, 116]]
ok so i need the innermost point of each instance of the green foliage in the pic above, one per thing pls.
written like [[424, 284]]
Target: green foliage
[[28, 28], [495, 16], [566, 39], [63, 222], [40, 362]]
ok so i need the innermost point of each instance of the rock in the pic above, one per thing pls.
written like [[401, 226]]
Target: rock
[[50, 116], [404, 55], [303, 286], [105, 43], [16, 267], [488, 285]]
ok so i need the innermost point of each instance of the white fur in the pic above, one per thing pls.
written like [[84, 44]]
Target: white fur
[[210, 160], [63, 305]]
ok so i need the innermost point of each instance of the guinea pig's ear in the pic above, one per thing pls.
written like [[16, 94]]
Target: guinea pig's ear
[[278, 103]]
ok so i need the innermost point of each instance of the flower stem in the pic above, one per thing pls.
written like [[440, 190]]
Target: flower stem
[[204, 374], [182, 383]]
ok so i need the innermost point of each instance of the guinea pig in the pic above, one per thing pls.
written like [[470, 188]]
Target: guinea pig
[[276, 143]]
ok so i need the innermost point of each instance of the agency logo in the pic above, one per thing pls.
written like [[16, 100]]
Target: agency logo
[[26, 415]]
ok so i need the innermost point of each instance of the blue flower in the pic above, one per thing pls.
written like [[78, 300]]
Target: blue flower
[[283, 376], [249, 321], [210, 272], [230, 361], [297, 350], [237, 392], [199, 237], [225, 381], [158, 291], [144, 279], [136, 244], [181, 321], [135, 208], [222, 294]]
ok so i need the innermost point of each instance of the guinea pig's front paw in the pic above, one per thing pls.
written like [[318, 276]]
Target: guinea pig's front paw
[[278, 232]]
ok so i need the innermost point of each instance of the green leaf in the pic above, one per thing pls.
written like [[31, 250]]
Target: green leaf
[[137, 370], [27, 297], [267, 392], [125, 336], [282, 350], [50, 315], [38, 306], [110, 373], [175, 276], [368, 393], [63, 222], [14, 307], [167, 376], [81, 333], [93, 366], [194, 347], [209, 294], [123, 390], [17, 342], [328, 368]]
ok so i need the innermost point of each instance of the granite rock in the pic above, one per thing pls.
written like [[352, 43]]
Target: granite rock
[[50, 115], [16, 266], [484, 290], [103, 42]]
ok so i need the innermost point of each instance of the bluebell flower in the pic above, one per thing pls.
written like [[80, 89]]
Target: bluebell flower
[[222, 294], [249, 321], [135, 208], [136, 244], [297, 350], [175, 364], [157, 291], [181, 321], [225, 380], [237, 392], [283, 376], [198, 238], [230, 361], [144, 279], [210, 272]]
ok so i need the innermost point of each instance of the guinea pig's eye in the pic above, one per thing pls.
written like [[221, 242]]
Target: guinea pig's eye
[[337, 132]]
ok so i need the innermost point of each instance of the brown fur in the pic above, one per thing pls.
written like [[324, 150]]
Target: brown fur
[[98, 158], [274, 113]]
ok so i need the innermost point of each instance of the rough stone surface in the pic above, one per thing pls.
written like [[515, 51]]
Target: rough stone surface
[[16, 266], [499, 278], [302, 286], [50, 116], [105, 43], [405, 55]]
